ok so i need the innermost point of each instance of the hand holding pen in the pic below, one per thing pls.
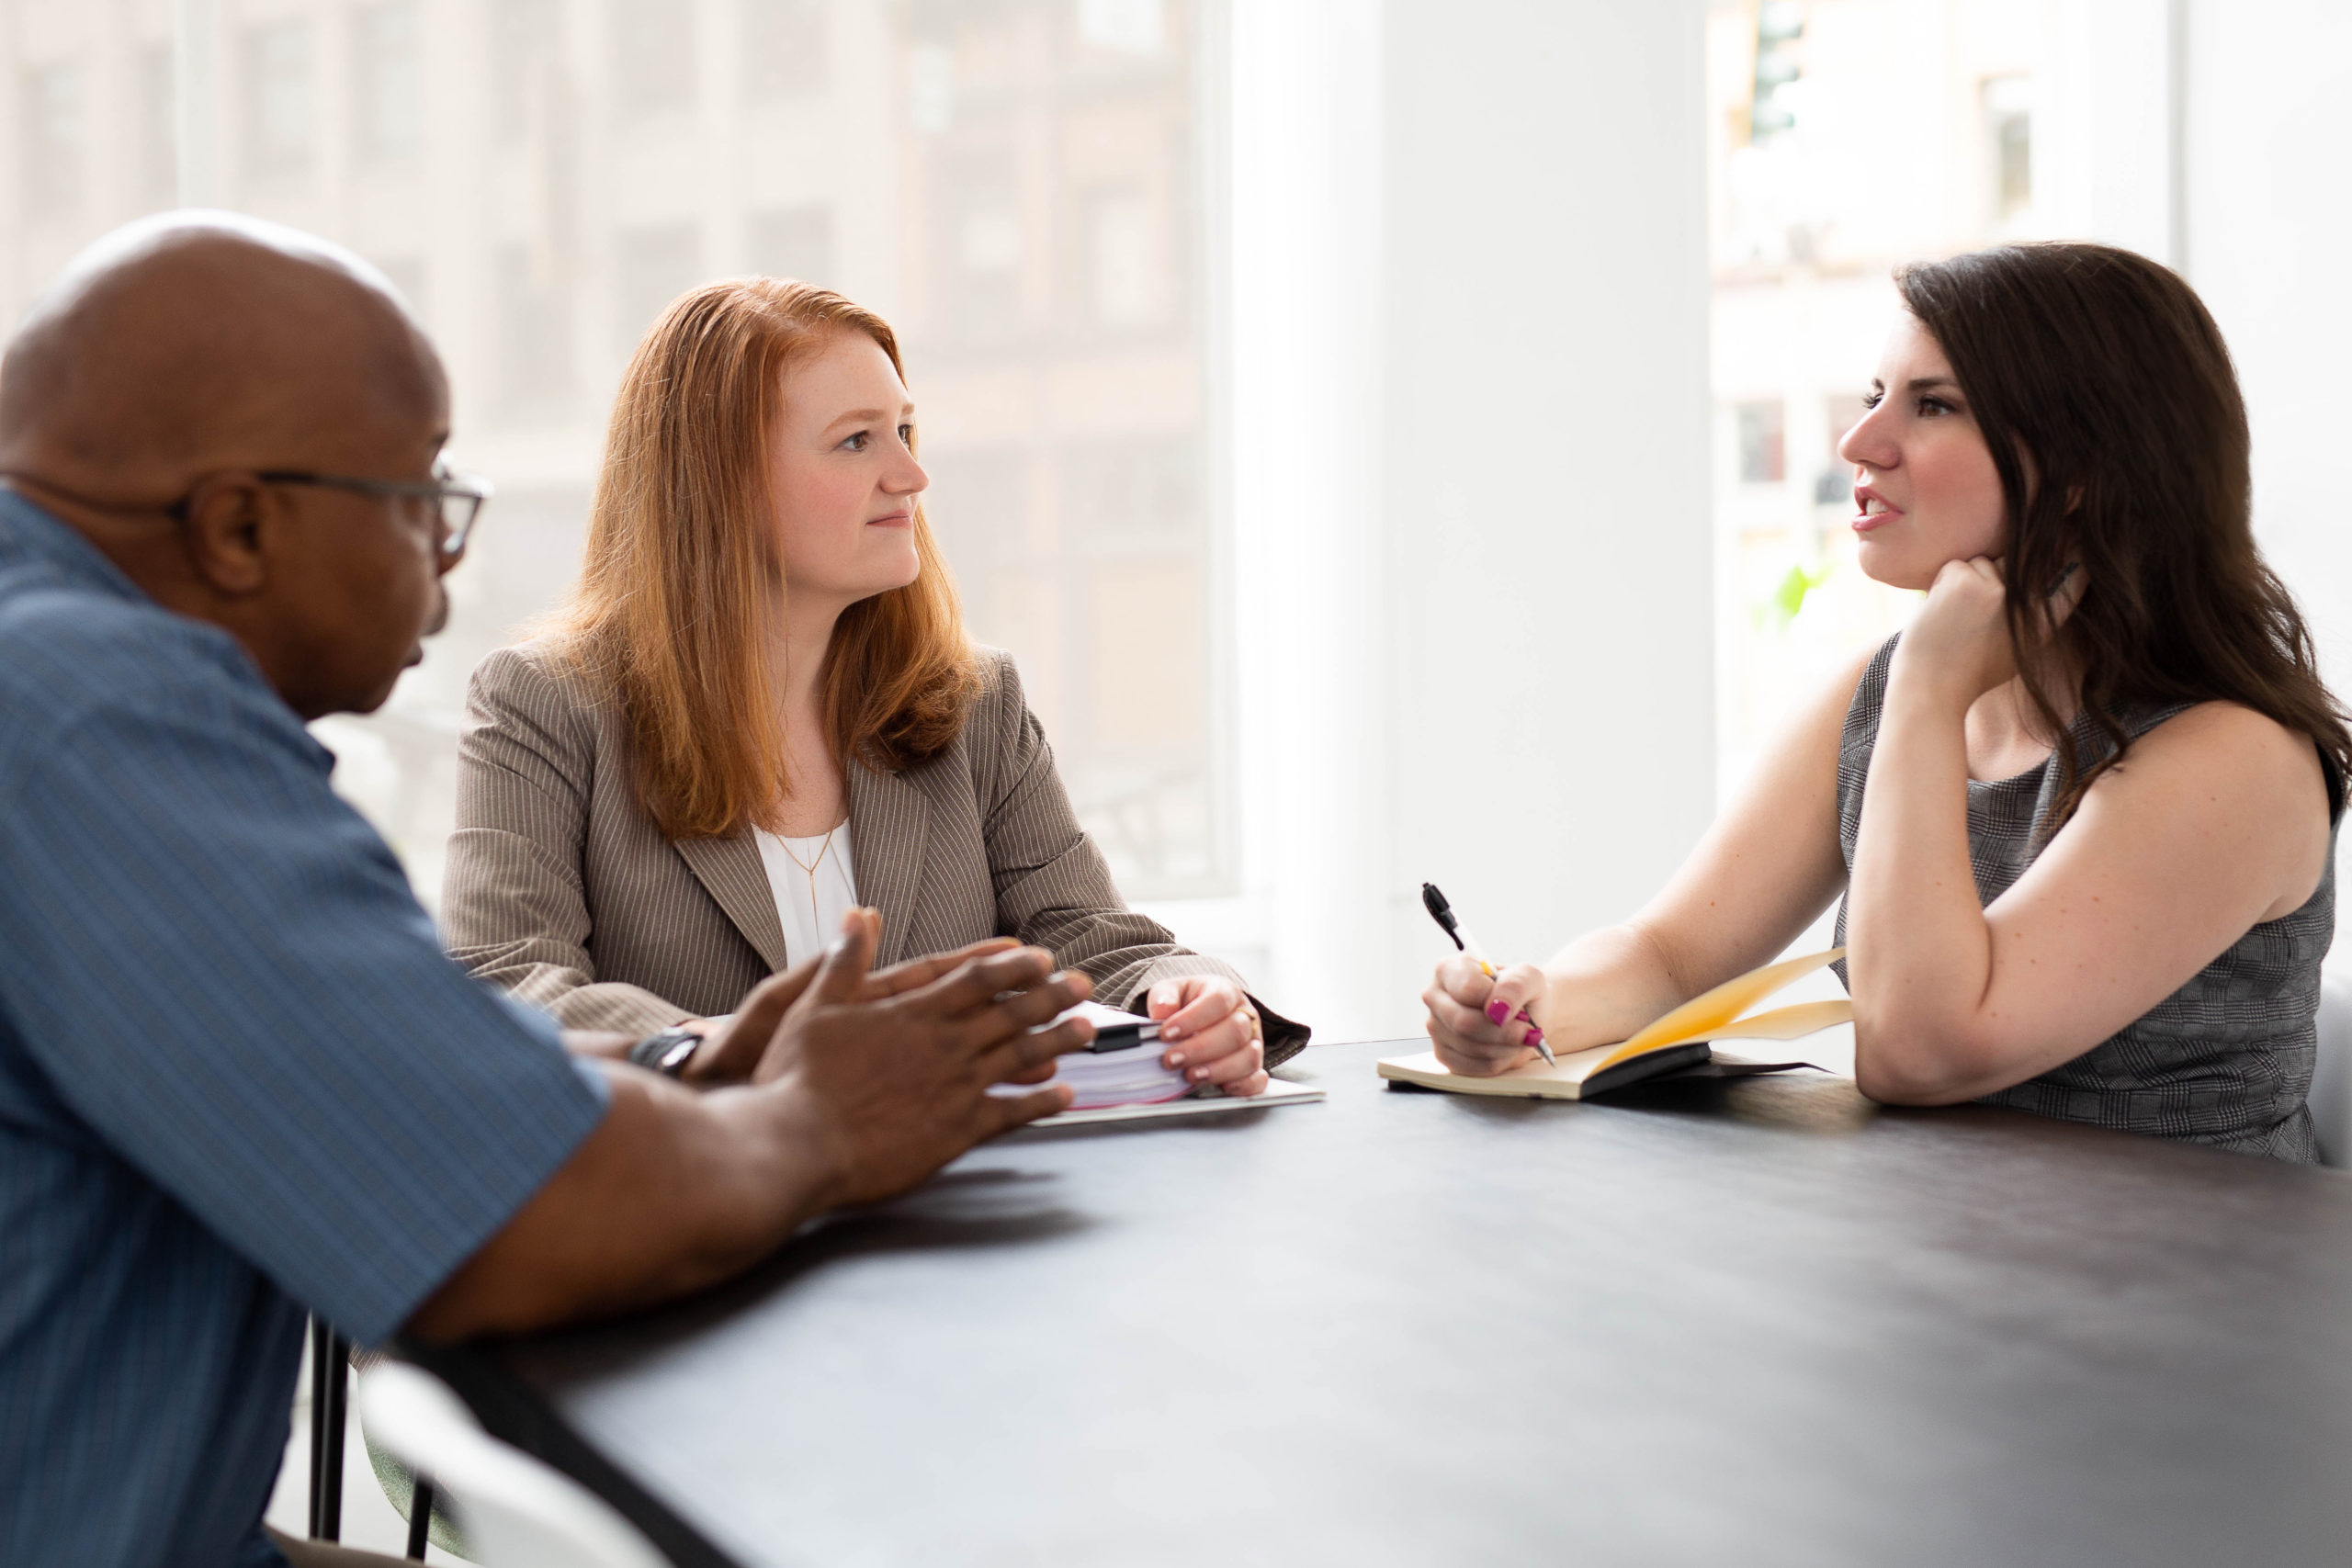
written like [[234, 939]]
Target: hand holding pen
[[1498, 1012]]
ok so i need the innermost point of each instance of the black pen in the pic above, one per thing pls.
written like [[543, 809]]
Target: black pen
[[1442, 913]]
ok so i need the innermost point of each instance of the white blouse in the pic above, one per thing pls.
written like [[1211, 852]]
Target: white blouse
[[813, 887]]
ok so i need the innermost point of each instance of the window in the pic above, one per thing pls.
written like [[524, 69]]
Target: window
[[1126, 259], [1015, 185], [534, 328], [2009, 122], [276, 60], [158, 172], [651, 266], [978, 505], [1780, 26], [54, 133], [783, 48], [1063, 377], [931, 87], [524, 45], [1132, 494], [1134, 753], [1834, 485], [1763, 443], [406, 275], [652, 55], [1129, 27], [978, 209], [1814, 202], [386, 98], [792, 241]]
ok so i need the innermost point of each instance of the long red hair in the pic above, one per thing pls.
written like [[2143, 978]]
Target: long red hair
[[681, 591]]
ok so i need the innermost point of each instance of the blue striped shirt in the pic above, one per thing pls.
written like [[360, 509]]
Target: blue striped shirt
[[238, 1078]]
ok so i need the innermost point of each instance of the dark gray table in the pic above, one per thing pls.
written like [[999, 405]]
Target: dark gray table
[[1758, 1322]]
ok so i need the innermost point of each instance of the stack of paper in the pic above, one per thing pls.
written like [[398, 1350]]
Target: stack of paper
[[1125, 1074], [1132, 1076]]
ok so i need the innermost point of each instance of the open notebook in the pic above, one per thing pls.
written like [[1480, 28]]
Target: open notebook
[[1673, 1047]]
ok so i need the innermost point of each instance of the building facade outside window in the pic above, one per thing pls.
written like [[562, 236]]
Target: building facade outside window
[[1845, 138], [1018, 186], [783, 48], [275, 89], [387, 102], [55, 135], [792, 241]]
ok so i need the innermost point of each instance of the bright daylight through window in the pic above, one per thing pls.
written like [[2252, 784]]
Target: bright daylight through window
[[1845, 137], [1017, 186]]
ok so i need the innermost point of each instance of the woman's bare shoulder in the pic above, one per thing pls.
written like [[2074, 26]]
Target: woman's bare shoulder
[[2236, 773], [2233, 754]]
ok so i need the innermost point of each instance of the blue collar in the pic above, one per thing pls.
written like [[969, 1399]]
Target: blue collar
[[29, 531], [33, 537]]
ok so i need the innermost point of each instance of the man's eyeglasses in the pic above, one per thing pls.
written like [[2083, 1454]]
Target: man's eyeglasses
[[457, 497]]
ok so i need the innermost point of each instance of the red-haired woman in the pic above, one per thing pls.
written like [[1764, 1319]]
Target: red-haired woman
[[2082, 812], [759, 710]]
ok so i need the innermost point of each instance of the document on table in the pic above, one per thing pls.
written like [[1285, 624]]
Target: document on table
[[1277, 1093]]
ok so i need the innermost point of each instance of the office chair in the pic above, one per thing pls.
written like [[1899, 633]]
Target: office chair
[[517, 1512], [329, 1388]]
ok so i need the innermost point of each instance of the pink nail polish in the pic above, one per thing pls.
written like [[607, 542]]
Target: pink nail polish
[[1534, 1035], [1498, 1012], [1524, 1016]]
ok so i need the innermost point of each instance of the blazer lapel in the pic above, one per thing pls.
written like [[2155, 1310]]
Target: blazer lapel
[[889, 825], [732, 872]]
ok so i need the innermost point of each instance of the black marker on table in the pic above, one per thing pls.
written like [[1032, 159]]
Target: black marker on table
[[1442, 913]]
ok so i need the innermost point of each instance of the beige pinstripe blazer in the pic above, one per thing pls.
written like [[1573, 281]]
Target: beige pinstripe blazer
[[562, 890]]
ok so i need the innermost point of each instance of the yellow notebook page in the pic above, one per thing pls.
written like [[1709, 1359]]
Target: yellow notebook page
[[1708, 1014]]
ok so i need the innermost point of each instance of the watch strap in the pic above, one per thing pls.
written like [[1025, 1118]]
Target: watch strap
[[666, 1053]]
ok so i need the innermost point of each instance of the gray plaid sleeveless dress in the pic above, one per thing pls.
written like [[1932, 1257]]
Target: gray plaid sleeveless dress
[[2226, 1060]]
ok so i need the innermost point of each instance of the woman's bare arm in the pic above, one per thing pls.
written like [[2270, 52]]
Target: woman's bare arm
[[1764, 872], [2215, 821]]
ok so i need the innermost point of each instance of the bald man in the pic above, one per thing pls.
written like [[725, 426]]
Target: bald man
[[238, 1079]]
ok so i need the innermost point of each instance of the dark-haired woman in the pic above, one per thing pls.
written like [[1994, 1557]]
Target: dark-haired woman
[[2082, 812]]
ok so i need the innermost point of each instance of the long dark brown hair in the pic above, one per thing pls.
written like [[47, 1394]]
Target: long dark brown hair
[[677, 599], [2108, 398]]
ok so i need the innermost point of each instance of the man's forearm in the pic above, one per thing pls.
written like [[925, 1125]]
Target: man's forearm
[[599, 1043], [672, 1191]]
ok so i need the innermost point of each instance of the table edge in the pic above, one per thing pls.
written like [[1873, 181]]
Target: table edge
[[510, 1411]]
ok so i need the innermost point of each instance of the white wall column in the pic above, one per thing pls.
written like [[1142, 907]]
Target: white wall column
[[2111, 110], [1471, 470], [1310, 589], [2269, 229], [1545, 464]]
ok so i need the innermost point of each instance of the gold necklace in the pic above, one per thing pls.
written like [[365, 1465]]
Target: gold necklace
[[815, 923]]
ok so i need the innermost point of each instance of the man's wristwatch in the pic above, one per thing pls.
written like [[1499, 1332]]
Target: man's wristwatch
[[666, 1053]]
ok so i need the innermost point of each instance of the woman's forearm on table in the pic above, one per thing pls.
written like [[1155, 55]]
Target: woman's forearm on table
[[1604, 986], [1918, 950]]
